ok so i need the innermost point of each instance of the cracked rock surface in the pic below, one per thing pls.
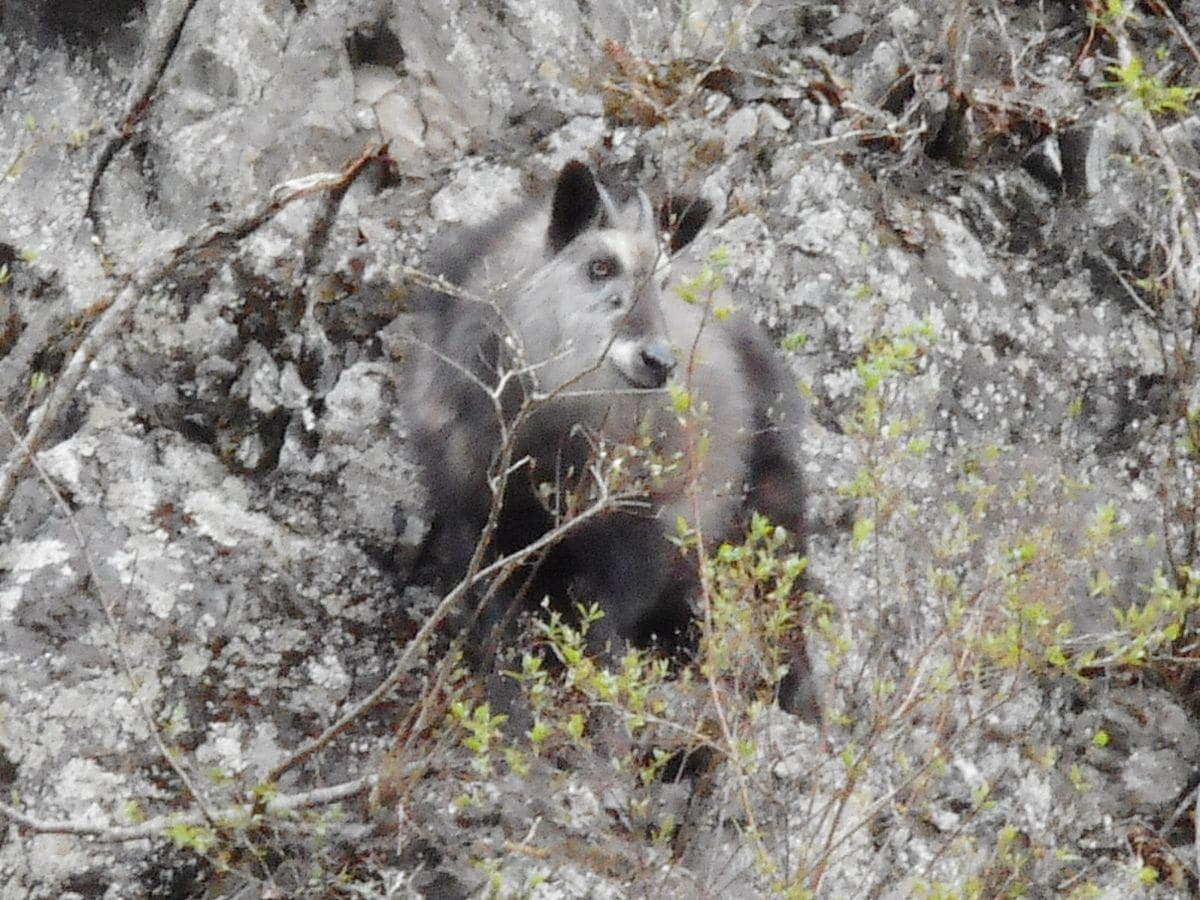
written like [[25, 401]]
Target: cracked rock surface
[[209, 559]]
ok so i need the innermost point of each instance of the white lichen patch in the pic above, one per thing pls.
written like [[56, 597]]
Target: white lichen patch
[[292, 392], [10, 599], [23, 558], [1154, 776], [145, 566], [475, 194], [132, 500], [960, 249], [356, 402], [264, 752], [63, 462], [580, 810], [328, 674], [223, 749], [260, 381], [82, 781], [1038, 803], [193, 660], [223, 515]]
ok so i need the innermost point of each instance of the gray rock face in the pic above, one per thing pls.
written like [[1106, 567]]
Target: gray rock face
[[982, 262]]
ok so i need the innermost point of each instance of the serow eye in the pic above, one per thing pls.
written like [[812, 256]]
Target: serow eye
[[603, 268]]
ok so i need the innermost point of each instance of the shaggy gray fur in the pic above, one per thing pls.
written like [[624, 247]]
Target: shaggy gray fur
[[565, 300]]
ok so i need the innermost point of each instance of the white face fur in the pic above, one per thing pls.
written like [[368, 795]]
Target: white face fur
[[591, 317]]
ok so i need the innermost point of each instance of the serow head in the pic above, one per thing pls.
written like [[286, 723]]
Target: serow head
[[604, 283]]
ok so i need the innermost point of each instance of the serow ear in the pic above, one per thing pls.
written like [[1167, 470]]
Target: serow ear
[[576, 204], [682, 218]]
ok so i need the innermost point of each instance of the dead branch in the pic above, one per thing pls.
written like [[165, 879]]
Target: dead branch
[[156, 828], [106, 604], [107, 313], [140, 99]]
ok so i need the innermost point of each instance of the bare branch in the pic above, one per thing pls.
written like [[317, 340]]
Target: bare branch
[[106, 605], [156, 828], [477, 574], [140, 99], [107, 313]]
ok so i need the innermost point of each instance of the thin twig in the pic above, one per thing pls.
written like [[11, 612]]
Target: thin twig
[[139, 103], [1164, 10], [419, 640], [157, 827], [109, 311], [106, 606]]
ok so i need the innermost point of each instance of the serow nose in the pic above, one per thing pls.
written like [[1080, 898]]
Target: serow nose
[[659, 362]]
